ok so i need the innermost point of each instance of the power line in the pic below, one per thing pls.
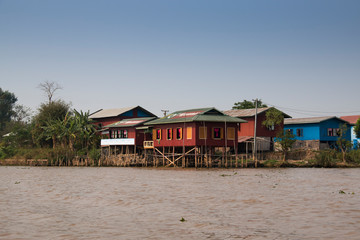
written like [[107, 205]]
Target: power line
[[307, 112]]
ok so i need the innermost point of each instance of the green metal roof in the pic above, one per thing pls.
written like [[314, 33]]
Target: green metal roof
[[196, 115], [131, 122]]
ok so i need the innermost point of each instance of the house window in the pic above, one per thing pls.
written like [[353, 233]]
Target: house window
[[299, 132], [291, 131], [330, 132], [333, 132], [231, 133], [271, 128], [123, 134], [217, 133], [169, 133], [189, 133], [158, 134], [113, 134], [178, 133], [202, 132], [337, 132]]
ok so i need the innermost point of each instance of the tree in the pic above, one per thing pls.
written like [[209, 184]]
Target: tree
[[273, 117], [49, 89], [286, 140], [357, 128], [248, 105], [75, 131], [342, 143], [7, 103], [48, 113], [87, 130]]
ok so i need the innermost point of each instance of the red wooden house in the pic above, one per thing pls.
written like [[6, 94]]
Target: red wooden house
[[265, 136], [105, 117], [127, 132], [198, 130]]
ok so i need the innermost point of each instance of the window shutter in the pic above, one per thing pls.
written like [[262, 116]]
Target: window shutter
[[202, 132], [154, 134], [231, 133], [180, 133], [189, 133], [221, 133]]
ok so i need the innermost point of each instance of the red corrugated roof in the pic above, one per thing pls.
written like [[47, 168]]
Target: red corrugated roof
[[351, 119]]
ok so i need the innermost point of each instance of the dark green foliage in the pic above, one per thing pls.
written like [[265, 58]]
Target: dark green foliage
[[20, 135], [326, 159], [273, 118], [286, 140], [342, 143], [95, 154], [353, 156], [48, 113], [7, 103], [357, 128], [6, 150], [248, 104]]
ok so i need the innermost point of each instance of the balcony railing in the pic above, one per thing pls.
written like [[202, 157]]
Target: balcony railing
[[148, 144]]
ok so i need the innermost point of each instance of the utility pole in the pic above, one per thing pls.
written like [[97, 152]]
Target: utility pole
[[255, 149], [164, 111]]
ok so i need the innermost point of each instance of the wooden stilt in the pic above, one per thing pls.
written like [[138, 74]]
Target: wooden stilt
[[173, 154], [196, 163], [236, 158], [163, 158], [145, 160], [183, 157]]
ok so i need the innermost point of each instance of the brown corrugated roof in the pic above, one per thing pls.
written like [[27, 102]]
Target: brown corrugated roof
[[351, 119], [245, 112]]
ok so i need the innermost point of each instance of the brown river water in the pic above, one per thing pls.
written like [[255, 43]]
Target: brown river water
[[148, 203]]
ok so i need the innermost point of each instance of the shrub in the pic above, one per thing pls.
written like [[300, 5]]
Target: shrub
[[95, 154], [354, 156], [327, 158], [6, 151], [271, 163]]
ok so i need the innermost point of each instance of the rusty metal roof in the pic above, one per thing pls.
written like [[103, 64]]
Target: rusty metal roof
[[249, 112], [245, 112], [351, 119], [131, 122]]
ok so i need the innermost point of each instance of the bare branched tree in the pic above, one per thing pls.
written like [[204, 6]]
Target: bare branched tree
[[49, 89]]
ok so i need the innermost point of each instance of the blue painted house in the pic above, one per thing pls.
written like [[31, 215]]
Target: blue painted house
[[352, 120], [316, 132]]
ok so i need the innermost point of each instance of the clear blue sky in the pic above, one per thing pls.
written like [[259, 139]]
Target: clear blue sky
[[179, 54]]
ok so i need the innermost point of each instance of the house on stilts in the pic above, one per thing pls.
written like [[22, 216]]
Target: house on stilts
[[204, 137], [123, 141]]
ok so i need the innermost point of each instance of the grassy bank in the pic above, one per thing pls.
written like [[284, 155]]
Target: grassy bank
[[64, 157], [50, 157]]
